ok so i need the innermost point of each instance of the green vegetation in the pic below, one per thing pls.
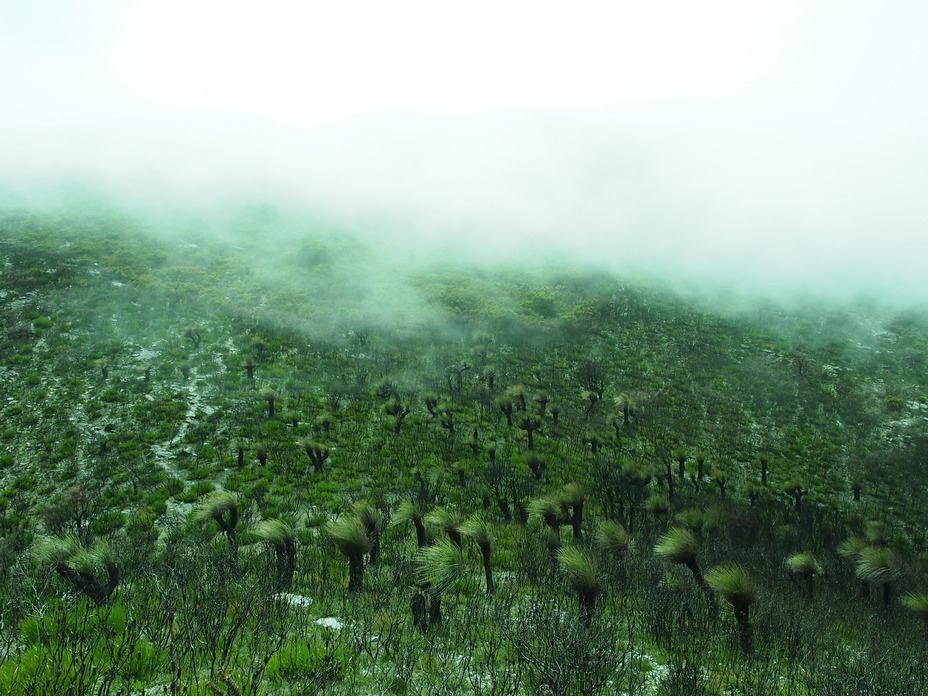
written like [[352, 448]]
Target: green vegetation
[[269, 465]]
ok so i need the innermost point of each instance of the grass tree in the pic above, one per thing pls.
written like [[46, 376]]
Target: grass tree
[[550, 510], [489, 375], [270, 396], [519, 392], [679, 545], [351, 538], [878, 565], [447, 520], [857, 486], [222, 508], [103, 366], [658, 504], [399, 412], [373, 524], [478, 529], [611, 537], [279, 535], [850, 549], [573, 497], [700, 468], [693, 519], [594, 440], [876, 533], [680, 456], [720, 478], [806, 567], [795, 490], [626, 403], [542, 398], [318, 453], [531, 424], [438, 567], [326, 421], [918, 604], [446, 413], [737, 587], [537, 464], [409, 511], [506, 405], [583, 574], [612, 541], [81, 567]]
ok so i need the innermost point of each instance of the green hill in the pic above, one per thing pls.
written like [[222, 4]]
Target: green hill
[[600, 446]]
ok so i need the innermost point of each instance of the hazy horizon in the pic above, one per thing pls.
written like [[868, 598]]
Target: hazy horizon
[[774, 148]]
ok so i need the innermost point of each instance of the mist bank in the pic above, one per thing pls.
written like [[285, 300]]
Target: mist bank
[[715, 211]]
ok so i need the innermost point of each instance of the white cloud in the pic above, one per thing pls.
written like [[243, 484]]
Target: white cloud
[[758, 143]]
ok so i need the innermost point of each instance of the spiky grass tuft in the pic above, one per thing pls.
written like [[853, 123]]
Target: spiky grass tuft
[[274, 532], [408, 511], [734, 583], [582, 571], [547, 508], [56, 551], [349, 535], [368, 514], [917, 603], [803, 564], [446, 519], [851, 547], [440, 565], [477, 528], [877, 564], [677, 545], [611, 537], [876, 533], [215, 505], [573, 494], [657, 504]]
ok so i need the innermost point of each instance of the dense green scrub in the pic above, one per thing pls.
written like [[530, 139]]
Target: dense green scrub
[[265, 462]]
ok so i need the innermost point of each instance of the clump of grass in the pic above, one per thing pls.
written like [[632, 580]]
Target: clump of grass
[[738, 588]]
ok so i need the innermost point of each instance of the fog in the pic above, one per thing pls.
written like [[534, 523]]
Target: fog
[[775, 149]]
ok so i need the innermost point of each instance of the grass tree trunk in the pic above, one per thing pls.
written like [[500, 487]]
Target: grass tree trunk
[[374, 536], [421, 539], [587, 607], [576, 522], [355, 572], [745, 630], [232, 538], [435, 616], [286, 564], [417, 604], [704, 586], [88, 585], [669, 477], [487, 568]]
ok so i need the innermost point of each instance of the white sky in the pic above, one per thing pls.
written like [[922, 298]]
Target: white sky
[[756, 142]]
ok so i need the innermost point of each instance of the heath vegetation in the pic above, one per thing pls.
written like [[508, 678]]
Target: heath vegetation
[[268, 464]]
